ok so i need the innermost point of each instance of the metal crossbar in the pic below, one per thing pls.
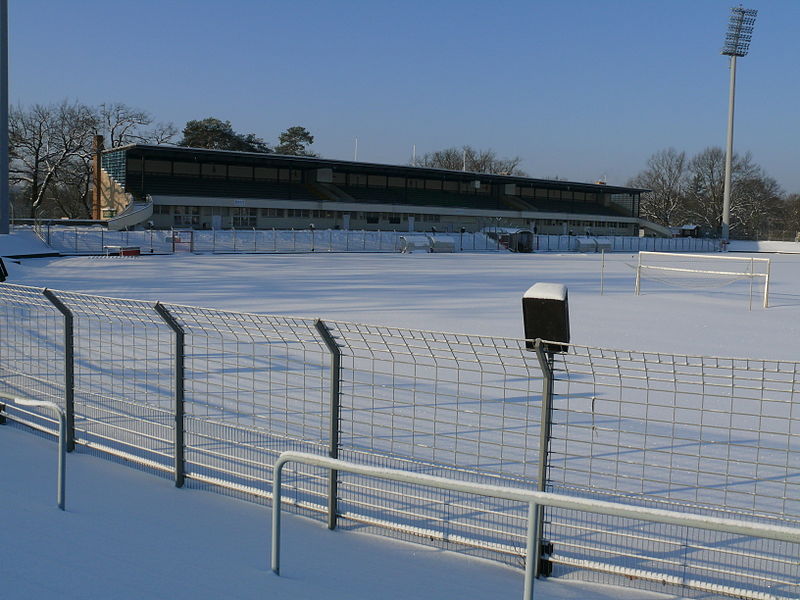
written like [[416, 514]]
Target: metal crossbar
[[752, 268]]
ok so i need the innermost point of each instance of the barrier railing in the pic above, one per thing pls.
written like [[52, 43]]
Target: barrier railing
[[533, 499]]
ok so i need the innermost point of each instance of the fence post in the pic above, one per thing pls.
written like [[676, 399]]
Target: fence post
[[335, 398], [546, 364], [69, 367], [179, 391]]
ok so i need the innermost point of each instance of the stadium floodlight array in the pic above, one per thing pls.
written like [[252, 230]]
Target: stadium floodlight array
[[740, 31], [702, 271]]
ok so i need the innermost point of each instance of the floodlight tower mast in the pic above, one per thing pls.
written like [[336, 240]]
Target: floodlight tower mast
[[5, 199], [737, 43]]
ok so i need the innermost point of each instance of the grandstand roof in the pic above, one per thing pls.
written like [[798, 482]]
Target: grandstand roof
[[229, 156]]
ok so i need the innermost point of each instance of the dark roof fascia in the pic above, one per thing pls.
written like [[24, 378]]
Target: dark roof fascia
[[312, 161]]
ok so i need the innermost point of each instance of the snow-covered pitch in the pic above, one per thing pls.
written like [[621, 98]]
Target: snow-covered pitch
[[132, 527]]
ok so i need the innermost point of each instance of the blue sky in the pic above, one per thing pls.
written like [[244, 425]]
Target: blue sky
[[577, 88]]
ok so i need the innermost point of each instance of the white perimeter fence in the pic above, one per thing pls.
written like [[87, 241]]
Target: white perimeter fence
[[97, 240], [212, 398]]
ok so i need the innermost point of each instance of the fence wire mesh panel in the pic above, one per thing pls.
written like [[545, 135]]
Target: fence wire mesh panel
[[98, 240], [453, 405], [219, 395], [255, 386], [715, 436], [124, 378], [31, 352]]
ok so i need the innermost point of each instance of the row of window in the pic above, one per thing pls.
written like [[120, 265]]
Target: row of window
[[292, 213], [249, 173]]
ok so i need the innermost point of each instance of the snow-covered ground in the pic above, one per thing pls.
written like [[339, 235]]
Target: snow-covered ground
[[475, 293], [128, 534]]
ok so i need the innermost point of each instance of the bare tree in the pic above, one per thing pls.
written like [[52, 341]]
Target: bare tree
[[121, 125], [470, 159], [43, 140], [666, 175], [757, 208]]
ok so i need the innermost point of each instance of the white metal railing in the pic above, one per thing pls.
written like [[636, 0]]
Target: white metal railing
[[532, 498], [62, 439]]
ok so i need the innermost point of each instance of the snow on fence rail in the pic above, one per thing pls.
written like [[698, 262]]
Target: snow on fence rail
[[97, 240], [212, 398], [533, 499]]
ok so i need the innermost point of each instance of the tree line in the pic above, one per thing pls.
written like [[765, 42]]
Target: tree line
[[50, 168], [51, 150], [689, 191]]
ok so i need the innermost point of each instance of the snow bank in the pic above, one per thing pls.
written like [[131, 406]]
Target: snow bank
[[23, 242], [780, 247]]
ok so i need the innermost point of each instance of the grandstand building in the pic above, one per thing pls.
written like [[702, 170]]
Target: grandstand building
[[168, 186]]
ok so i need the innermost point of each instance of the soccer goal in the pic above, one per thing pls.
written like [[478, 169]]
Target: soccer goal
[[703, 271]]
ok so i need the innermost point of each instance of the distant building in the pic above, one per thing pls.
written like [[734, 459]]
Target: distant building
[[169, 186]]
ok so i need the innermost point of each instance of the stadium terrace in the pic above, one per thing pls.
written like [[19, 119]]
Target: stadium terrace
[[166, 186]]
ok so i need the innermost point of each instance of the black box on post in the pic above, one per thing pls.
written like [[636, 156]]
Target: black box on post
[[545, 313]]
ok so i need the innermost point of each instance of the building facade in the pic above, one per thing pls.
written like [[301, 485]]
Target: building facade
[[169, 186]]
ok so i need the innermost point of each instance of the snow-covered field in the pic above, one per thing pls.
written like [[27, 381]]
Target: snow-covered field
[[475, 293], [130, 535]]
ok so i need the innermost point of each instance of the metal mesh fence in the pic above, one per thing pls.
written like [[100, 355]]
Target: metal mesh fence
[[714, 436], [254, 387], [219, 395], [31, 351], [98, 240], [445, 404]]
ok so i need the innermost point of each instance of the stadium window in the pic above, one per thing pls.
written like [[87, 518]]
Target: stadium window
[[433, 184], [158, 167], [339, 178], [135, 165], [396, 182], [283, 175], [240, 172], [416, 183], [186, 215], [185, 169], [372, 217], [378, 181], [160, 209], [244, 217], [356, 180], [450, 186], [213, 171], [266, 174], [296, 175], [272, 212], [394, 218]]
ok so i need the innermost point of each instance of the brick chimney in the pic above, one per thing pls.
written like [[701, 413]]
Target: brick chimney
[[97, 147]]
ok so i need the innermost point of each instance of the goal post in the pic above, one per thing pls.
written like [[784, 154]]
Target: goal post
[[702, 271]]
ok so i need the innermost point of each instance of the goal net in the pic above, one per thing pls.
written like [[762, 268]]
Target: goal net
[[705, 272]]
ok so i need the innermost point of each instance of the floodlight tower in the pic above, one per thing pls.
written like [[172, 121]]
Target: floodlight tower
[[737, 43], [5, 200]]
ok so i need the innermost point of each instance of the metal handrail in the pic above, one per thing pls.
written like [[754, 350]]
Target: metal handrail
[[62, 439], [532, 498]]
